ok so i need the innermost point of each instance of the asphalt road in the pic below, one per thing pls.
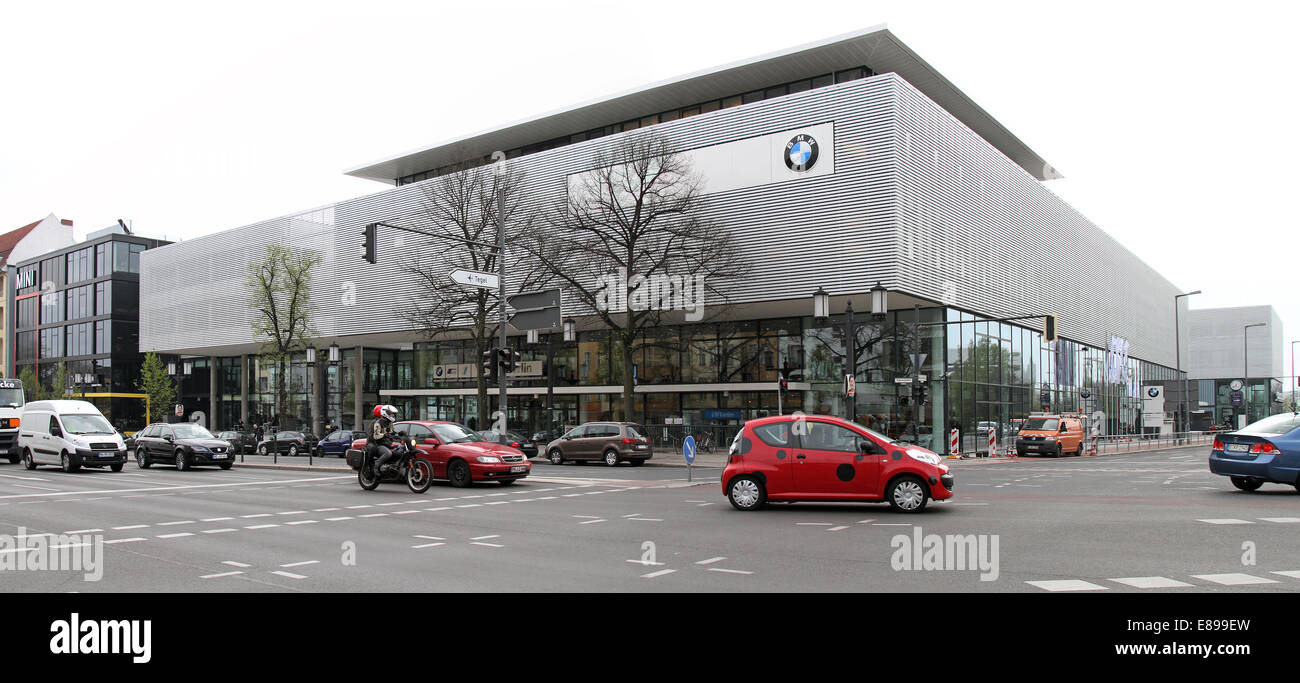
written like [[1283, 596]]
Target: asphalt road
[[1134, 523]]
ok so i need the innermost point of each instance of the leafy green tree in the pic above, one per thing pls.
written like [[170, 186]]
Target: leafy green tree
[[31, 383], [279, 289], [160, 387], [58, 384]]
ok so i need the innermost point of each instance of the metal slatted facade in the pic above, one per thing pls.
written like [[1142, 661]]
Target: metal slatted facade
[[916, 199]]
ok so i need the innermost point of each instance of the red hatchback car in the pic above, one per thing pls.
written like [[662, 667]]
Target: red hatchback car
[[457, 454], [822, 458]]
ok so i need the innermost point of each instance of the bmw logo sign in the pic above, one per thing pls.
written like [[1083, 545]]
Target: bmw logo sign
[[1153, 392], [801, 153]]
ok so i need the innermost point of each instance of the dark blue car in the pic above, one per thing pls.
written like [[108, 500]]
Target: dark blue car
[[1264, 452], [338, 442]]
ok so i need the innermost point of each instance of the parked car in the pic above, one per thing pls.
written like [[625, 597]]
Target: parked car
[[610, 442], [71, 434], [1050, 435], [457, 454], [338, 442], [288, 443], [1267, 451], [240, 442], [183, 444], [824, 458], [514, 440]]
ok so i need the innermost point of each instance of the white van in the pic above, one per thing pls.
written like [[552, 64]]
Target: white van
[[71, 434]]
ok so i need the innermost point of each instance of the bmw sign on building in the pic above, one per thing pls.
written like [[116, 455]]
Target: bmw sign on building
[[801, 153]]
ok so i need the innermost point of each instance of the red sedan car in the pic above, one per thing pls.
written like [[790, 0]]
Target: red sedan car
[[457, 454], [823, 458]]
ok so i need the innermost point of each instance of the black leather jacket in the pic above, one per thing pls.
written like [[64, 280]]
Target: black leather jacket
[[382, 433]]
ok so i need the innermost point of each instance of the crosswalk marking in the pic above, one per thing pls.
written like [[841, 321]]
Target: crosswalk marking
[[1066, 585], [1151, 582], [1233, 579]]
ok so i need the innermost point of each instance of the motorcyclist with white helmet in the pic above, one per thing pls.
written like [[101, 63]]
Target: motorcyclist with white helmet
[[382, 436]]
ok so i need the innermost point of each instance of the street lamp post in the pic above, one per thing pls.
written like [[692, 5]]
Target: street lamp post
[[1185, 421], [1245, 368], [1295, 377]]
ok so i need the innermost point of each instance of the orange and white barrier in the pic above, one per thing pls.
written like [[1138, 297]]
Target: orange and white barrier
[[954, 445], [993, 444]]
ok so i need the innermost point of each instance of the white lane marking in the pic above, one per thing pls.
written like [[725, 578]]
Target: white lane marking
[[729, 571], [217, 576], [1225, 521], [375, 514], [260, 514], [470, 505], [813, 524], [337, 519], [183, 533], [236, 564], [218, 531], [865, 521], [1233, 579], [484, 538], [293, 512], [399, 512], [290, 575], [325, 510], [647, 563], [28, 486], [303, 521], [1151, 582], [1282, 520], [185, 521], [572, 495], [1066, 585], [644, 519], [593, 521], [430, 538], [428, 545], [436, 509], [837, 528], [585, 516], [490, 545], [703, 505], [217, 519], [299, 564], [14, 476], [384, 505], [661, 572], [498, 502], [124, 540], [634, 514], [891, 524], [168, 488], [261, 526], [711, 560], [547, 498], [358, 507], [1292, 573], [82, 531]]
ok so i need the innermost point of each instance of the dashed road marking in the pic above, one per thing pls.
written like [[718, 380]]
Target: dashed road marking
[[1066, 585], [299, 564], [290, 575], [222, 574], [1233, 579], [659, 573], [1225, 521], [1151, 582], [236, 564], [729, 571], [711, 560]]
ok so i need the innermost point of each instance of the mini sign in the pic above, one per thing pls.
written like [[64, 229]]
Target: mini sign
[[850, 386]]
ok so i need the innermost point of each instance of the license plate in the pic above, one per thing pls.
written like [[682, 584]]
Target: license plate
[[1238, 447], [640, 445], [518, 468], [218, 456], [107, 454]]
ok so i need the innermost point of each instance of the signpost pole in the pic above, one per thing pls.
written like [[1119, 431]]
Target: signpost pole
[[501, 271]]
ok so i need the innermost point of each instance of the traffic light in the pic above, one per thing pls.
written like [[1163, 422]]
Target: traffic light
[[368, 246], [490, 365], [516, 359], [783, 384], [1049, 328], [922, 394]]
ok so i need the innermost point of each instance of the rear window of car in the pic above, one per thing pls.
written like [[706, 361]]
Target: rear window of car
[[1041, 423], [632, 432], [1278, 424], [775, 434]]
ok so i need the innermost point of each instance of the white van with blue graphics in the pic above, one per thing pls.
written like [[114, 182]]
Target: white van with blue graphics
[[11, 408], [70, 434]]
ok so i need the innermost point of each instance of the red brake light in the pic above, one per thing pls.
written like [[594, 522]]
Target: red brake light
[[628, 442], [514, 444], [1264, 447], [1218, 444]]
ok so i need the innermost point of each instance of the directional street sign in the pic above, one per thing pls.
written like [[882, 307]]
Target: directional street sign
[[536, 310], [688, 449], [475, 279]]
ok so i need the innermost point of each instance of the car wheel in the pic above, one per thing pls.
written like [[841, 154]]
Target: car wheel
[[116, 468], [293, 451], [1247, 483], [556, 457], [1059, 451], [181, 463], [27, 459], [226, 465], [611, 458], [261, 450], [1079, 453], [68, 464], [140, 460], [458, 474], [907, 494], [746, 493]]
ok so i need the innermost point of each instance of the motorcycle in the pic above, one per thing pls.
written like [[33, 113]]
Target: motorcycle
[[405, 465]]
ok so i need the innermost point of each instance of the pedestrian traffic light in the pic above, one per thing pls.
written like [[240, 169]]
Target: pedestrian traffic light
[[783, 384], [516, 359], [490, 365], [370, 242], [922, 395], [1049, 328]]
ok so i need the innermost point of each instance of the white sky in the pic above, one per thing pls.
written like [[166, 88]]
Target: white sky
[[1174, 123]]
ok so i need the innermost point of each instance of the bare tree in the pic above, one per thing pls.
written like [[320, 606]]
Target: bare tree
[[279, 287], [460, 208], [632, 241]]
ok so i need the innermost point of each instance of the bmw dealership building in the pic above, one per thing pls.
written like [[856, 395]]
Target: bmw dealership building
[[835, 166]]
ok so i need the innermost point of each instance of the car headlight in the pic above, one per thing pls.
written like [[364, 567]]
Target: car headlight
[[928, 458], [488, 458]]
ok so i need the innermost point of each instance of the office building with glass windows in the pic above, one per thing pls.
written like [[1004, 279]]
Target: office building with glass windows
[[1223, 341], [78, 307], [836, 166]]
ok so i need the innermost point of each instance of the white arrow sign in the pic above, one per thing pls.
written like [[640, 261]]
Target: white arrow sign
[[475, 279]]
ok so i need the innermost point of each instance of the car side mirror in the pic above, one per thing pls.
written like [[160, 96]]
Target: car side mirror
[[431, 442]]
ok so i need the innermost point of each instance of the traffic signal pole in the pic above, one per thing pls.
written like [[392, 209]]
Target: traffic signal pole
[[501, 270]]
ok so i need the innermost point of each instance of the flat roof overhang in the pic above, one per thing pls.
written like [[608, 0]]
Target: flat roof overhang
[[875, 47]]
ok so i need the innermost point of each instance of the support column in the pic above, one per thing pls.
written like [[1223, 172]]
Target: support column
[[243, 389], [358, 382], [214, 422], [319, 408]]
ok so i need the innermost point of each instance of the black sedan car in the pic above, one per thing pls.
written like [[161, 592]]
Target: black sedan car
[[288, 443], [240, 442], [183, 444], [513, 440]]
